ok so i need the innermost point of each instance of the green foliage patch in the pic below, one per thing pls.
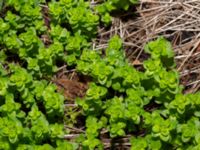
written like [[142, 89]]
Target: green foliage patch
[[120, 98], [149, 105]]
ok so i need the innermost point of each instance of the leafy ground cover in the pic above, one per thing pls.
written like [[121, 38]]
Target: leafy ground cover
[[113, 100]]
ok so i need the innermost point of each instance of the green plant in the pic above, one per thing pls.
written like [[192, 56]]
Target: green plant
[[126, 93], [34, 126], [77, 14], [108, 6], [149, 105]]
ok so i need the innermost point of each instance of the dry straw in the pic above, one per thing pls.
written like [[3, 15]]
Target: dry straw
[[177, 20]]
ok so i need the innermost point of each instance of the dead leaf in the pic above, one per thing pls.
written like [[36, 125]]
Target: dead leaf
[[71, 89]]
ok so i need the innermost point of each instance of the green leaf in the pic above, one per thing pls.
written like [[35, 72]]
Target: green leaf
[[53, 102], [96, 92], [56, 131], [138, 143], [70, 59], [33, 64], [20, 77], [4, 82], [61, 145], [159, 47]]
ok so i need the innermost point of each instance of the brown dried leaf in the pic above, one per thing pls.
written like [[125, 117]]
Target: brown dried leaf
[[71, 89]]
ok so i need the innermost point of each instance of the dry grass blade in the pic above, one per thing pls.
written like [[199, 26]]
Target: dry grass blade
[[178, 21]]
